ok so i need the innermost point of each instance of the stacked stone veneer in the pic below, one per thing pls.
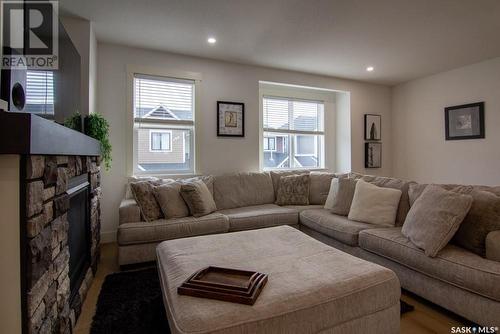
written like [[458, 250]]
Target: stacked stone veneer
[[47, 252]]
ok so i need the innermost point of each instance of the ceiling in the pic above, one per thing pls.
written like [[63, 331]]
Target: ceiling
[[402, 39]]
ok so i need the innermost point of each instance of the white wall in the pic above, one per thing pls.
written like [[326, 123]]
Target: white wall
[[420, 151], [220, 81]]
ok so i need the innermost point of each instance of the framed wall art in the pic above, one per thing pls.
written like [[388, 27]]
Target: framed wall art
[[373, 127], [230, 119], [373, 155], [464, 121]]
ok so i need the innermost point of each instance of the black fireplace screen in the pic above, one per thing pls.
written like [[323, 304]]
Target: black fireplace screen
[[78, 232]]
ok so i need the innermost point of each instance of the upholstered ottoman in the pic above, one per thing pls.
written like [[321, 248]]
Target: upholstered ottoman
[[312, 288]]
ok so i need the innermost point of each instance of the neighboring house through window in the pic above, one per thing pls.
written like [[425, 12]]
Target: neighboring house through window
[[293, 133], [163, 125]]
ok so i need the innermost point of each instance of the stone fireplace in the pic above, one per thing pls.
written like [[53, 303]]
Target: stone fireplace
[[62, 238], [50, 181]]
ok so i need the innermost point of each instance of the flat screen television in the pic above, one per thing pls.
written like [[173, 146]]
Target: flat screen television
[[52, 94]]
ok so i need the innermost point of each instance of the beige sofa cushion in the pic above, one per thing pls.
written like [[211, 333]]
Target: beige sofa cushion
[[340, 196], [320, 187], [453, 264], [143, 195], [166, 229], [293, 190], [243, 189], [337, 227], [169, 198], [435, 217], [129, 211], [260, 216], [300, 208], [389, 182], [375, 205], [198, 198], [493, 246], [312, 287], [483, 217]]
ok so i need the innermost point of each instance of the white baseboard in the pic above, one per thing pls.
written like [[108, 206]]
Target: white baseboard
[[108, 237]]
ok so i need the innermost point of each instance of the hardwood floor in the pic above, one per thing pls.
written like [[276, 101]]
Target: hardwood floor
[[425, 319]]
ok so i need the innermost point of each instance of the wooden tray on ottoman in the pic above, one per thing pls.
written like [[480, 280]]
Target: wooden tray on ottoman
[[231, 285]]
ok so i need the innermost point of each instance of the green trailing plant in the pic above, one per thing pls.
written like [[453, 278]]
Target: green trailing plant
[[97, 127], [74, 122]]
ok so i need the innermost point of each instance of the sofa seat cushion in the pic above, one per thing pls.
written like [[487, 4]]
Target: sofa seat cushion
[[259, 216], [337, 227], [300, 208], [174, 228], [453, 265]]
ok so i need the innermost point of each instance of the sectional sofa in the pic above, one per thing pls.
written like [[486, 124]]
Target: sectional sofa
[[458, 280]]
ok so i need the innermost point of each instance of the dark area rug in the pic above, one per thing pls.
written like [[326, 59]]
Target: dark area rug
[[130, 302]]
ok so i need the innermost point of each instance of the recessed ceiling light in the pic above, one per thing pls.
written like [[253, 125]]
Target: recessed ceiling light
[[370, 68], [211, 40]]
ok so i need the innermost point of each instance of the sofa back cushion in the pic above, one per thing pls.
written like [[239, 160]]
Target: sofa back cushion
[[319, 187], [389, 182], [243, 189]]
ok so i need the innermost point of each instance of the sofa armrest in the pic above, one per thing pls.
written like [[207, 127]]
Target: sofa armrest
[[129, 211], [493, 246]]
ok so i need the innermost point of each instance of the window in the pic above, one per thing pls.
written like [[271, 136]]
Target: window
[[40, 92], [293, 133], [160, 141], [163, 125]]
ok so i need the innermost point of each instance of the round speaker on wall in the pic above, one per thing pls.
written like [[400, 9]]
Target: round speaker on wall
[[18, 96]]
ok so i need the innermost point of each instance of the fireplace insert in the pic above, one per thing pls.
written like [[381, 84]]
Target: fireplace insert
[[78, 232]]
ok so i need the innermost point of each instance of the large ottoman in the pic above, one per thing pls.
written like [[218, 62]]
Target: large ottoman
[[312, 288]]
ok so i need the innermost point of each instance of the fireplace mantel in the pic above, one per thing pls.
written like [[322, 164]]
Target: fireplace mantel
[[24, 133]]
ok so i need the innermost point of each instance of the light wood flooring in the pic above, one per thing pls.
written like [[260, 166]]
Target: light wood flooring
[[425, 319]]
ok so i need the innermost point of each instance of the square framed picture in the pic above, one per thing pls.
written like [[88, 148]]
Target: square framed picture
[[373, 127], [230, 119], [373, 155], [465, 121]]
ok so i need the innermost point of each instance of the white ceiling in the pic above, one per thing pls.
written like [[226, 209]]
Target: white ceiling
[[402, 39]]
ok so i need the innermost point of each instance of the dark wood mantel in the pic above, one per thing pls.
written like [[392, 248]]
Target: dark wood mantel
[[24, 133]]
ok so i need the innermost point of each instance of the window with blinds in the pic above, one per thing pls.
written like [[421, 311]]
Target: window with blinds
[[296, 130], [163, 124], [40, 92]]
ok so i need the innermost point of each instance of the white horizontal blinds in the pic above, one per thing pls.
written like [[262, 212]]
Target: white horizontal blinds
[[162, 98], [40, 92], [293, 115]]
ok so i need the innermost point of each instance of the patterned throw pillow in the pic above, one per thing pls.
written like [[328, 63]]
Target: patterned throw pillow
[[293, 190], [144, 196], [198, 198]]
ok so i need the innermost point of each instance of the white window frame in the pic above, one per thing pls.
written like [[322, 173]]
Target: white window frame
[[321, 152], [268, 140], [151, 149], [131, 152]]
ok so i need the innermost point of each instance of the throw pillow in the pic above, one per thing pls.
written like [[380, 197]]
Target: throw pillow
[[340, 196], [293, 190], [170, 200], [198, 198], [435, 217], [374, 205], [483, 218], [144, 196], [319, 187], [277, 175]]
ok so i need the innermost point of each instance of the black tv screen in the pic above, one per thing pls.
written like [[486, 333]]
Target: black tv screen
[[53, 94]]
